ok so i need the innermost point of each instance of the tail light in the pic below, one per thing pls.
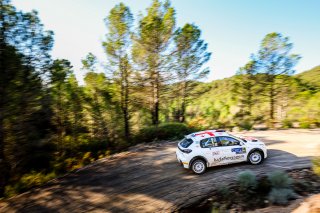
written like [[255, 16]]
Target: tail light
[[186, 150]]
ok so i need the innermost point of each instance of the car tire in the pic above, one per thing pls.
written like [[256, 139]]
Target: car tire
[[255, 157], [198, 166]]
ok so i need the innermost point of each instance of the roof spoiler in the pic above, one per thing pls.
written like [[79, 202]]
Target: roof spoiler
[[220, 130]]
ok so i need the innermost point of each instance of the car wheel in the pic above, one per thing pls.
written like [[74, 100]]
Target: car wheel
[[198, 166], [255, 157]]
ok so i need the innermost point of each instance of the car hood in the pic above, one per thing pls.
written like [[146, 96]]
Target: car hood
[[251, 140]]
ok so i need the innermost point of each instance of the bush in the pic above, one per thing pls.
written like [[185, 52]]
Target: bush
[[35, 179], [245, 124], [93, 146], [247, 180], [280, 179], [316, 165], [162, 132], [281, 196], [27, 182], [224, 191], [281, 191], [263, 186], [307, 123], [304, 124], [286, 124]]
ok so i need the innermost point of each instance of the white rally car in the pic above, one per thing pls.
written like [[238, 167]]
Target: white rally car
[[200, 150]]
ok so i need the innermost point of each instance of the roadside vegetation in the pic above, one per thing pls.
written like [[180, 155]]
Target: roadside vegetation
[[250, 192], [151, 88]]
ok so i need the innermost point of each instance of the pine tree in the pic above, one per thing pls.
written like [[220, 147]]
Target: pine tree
[[191, 55], [24, 54], [116, 46], [152, 54], [243, 87], [60, 70], [273, 60]]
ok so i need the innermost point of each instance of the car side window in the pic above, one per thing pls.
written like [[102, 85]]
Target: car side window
[[228, 141], [206, 143], [215, 141]]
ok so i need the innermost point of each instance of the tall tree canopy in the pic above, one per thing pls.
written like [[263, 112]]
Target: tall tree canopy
[[273, 60], [116, 46], [24, 58], [191, 55], [151, 51]]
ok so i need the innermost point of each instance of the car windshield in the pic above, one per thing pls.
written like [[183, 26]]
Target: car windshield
[[240, 139], [186, 142]]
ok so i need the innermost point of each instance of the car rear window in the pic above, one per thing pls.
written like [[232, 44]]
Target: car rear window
[[186, 142]]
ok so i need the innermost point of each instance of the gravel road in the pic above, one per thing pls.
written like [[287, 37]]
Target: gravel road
[[148, 178]]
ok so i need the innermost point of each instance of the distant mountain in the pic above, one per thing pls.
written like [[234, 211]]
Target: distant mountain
[[311, 77]]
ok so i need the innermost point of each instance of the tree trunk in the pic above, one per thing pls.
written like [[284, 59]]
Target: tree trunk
[[272, 102], [156, 93], [183, 103], [126, 107], [124, 95], [250, 102]]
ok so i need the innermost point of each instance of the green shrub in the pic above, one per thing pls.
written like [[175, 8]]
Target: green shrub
[[264, 185], [247, 180], [304, 124], [164, 131], [287, 123], [316, 165], [301, 186], [280, 179], [245, 124], [10, 190], [35, 179], [281, 195], [307, 123], [27, 182], [224, 191], [281, 188], [93, 146]]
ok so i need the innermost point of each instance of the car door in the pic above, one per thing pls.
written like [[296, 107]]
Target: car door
[[230, 150], [208, 149], [211, 151]]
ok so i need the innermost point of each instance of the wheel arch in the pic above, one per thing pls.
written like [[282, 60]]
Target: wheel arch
[[255, 149], [196, 158]]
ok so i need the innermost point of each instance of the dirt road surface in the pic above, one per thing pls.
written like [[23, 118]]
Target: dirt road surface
[[148, 178]]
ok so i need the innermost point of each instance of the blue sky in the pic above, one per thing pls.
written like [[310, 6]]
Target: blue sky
[[232, 28]]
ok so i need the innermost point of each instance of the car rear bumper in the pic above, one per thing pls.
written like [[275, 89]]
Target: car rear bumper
[[182, 159]]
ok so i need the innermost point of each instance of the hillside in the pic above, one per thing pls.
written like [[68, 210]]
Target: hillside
[[311, 76], [217, 106]]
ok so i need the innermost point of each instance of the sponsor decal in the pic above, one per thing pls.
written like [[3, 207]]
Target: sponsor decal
[[241, 150], [233, 158], [216, 153]]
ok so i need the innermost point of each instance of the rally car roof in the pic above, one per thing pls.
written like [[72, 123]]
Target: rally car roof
[[207, 134]]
